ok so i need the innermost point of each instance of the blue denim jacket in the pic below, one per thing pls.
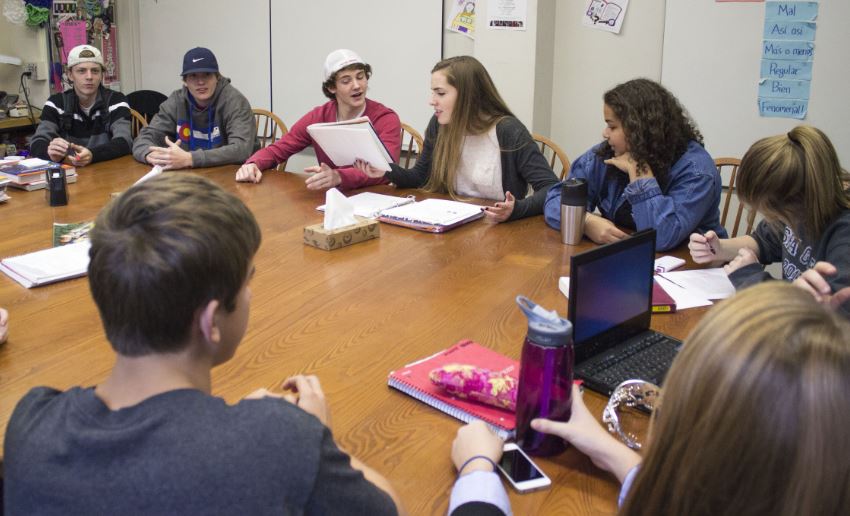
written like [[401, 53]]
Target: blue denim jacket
[[691, 202]]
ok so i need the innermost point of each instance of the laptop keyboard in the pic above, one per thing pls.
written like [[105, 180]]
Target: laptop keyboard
[[647, 358]]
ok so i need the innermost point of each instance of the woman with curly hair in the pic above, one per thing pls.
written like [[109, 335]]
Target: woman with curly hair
[[651, 171]]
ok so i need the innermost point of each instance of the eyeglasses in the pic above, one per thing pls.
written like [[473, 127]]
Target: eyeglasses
[[631, 394]]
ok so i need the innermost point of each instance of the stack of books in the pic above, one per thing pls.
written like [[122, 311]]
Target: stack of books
[[28, 174]]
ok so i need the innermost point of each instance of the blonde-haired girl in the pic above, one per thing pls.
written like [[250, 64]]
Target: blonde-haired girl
[[796, 182], [475, 147]]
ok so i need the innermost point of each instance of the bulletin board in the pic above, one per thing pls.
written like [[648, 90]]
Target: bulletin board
[[82, 22], [711, 62]]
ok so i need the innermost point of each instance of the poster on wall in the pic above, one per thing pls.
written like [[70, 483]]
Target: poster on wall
[[462, 18], [605, 15], [788, 50], [82, 22], [507, 14]]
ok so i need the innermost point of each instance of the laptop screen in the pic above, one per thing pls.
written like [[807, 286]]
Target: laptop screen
[[611, 292]]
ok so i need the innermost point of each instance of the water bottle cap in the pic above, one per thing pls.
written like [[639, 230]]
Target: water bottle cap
[[545, 327], [574, 192]]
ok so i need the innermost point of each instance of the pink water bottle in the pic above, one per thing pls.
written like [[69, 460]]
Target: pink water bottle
[[545, 377]]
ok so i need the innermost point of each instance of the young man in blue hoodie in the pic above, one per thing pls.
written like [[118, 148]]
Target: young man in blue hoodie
[[205, 123]]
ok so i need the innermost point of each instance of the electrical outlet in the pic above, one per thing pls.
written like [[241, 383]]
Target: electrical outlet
[[37, 70]]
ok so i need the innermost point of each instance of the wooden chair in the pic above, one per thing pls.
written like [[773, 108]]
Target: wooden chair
[[146, 102], [137, 121], [733, 164], [270, 128], [552, 152], [412, 148]]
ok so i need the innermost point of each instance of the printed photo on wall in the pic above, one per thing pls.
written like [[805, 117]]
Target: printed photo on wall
[[605, 15], [507, 14]]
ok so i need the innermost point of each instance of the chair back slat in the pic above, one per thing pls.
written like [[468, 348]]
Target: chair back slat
[[553, 154], [270, 128], [413, 148], [732, 164]]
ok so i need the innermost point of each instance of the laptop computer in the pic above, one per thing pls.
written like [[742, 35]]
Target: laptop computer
[[610, 307]]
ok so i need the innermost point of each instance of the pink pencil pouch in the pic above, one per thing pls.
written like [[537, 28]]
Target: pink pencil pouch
[[477, 384]]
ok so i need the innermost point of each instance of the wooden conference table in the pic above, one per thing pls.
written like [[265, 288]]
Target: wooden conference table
[[349, 316]]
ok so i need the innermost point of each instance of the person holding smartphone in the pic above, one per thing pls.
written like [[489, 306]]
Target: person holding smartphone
[[752, 418]]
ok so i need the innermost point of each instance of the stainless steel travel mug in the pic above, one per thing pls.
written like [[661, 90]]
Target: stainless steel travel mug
[[573, 208]]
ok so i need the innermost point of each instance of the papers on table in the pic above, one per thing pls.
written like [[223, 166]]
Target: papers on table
[[370, 204], [48, 266], [689, 289], [155, 171], [697, 287], [681, 296]]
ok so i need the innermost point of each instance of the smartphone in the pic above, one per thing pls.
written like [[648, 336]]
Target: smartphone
[[523, 474]]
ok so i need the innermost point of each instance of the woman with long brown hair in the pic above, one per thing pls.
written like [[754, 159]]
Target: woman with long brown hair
[[796, 182], [475, 147], [650, 171], [752, 420]]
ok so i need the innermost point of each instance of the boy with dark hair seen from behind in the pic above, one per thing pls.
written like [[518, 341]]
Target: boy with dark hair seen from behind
[[170, 271]]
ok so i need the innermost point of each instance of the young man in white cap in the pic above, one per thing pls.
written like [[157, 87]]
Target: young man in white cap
[[205, 123], [346, 80], [86, 123]]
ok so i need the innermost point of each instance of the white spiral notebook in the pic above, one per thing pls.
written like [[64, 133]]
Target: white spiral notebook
[[432, 215]]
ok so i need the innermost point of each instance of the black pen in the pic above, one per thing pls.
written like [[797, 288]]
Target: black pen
[[710, 247]]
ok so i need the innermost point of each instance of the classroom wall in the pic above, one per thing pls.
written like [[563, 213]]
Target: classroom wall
[[520, 62], [713, 67], [587, 62], [30, 45]]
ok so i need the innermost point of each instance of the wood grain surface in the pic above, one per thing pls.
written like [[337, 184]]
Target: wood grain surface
[[349, 316]]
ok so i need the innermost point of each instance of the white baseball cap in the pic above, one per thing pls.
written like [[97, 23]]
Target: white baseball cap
[[84, 54], [339, 59]]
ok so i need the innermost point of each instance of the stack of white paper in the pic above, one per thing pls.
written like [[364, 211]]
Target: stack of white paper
[[48, 266]]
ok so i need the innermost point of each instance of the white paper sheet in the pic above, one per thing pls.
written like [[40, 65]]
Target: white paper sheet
[[705, 283]]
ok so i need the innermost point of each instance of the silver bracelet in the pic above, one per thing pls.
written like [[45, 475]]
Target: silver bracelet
[[631, 394]]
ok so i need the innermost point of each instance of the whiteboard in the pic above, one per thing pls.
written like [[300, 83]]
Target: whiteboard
[[712, 55], [236, 32]]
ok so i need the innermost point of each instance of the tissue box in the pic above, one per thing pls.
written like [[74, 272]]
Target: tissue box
[[317, 236]]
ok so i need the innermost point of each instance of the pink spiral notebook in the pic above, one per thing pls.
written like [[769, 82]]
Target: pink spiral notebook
[[413, 380]]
